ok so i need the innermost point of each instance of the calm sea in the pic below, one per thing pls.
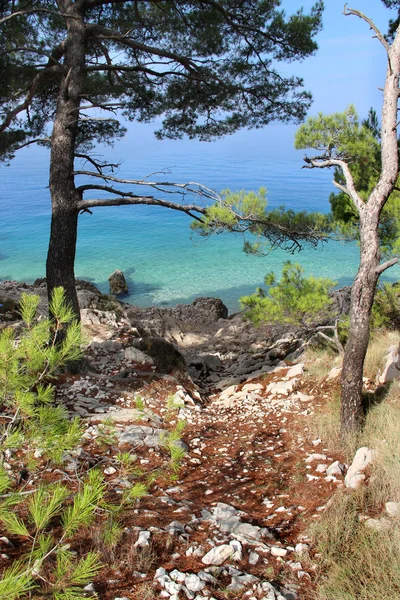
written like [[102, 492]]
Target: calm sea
[[163, 264]]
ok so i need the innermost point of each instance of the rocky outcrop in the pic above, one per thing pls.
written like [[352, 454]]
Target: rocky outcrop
[[117, 283], [10, 293]]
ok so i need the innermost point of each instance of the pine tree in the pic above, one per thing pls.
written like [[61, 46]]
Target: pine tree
[[206, 67]]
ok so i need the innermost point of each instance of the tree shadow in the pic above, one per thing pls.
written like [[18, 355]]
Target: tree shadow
[[375, 397]]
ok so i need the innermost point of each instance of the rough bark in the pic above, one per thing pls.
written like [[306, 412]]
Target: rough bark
[[364, 286], [362, 297], [64, 196]]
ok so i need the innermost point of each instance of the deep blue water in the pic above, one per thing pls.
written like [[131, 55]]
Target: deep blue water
[[153, 246]]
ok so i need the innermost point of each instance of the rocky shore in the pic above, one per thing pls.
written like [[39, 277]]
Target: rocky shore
[[234, 523]]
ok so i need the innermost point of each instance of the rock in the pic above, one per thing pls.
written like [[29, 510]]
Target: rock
[[379, 525], [237, 546], [218, 555], [334, 372], [392, 509], [336, 468], [118, 283], [313, 457], [149, 436], [253, 558], [143, 539], [109, 471], [391, 369], [134, 355], [282, 388], [355, 474], [166, 356], [194, 583], [277, 551]]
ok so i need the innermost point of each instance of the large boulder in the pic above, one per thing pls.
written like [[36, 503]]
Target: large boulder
[[165, 355], [177, 323], [118, 283]]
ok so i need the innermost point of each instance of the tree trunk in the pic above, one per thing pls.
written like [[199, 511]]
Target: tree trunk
[[64, 197], [362, 297]]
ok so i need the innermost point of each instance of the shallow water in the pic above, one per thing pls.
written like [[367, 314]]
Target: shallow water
[[163, 264]]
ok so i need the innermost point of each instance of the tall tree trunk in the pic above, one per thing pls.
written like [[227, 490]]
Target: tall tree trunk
[[64, 197], [362, 297]]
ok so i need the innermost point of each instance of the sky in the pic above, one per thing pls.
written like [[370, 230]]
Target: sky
[[348, 68], [350, 63]]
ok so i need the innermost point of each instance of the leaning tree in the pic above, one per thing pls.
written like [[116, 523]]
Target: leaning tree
[[72, 70], [342, 142]]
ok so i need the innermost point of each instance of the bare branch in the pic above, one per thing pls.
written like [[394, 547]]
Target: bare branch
[[33, 11], [357, 13], [386, 265], [99, 165], [127, 198], [35, 141], [191, 187], [322, 162]]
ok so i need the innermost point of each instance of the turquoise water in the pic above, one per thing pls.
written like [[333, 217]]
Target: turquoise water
[[163, 265]]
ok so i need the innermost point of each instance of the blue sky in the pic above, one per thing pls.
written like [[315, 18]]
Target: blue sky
[[350, 64], [348, 68]]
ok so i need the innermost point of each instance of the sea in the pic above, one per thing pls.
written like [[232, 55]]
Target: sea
[[163, 262]]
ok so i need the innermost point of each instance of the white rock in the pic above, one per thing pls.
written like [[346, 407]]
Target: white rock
[[177, 576], [172, 587], [391, 369], [392, 509], [295, 371], [218, 555], [313, 457], [238, 552], [194, 583], [334, 469], [379, 525], [143, 539], [277, 551], [109, 471], [335, 372], [254, 558], [321, 468], [355, 474], [301, 548]]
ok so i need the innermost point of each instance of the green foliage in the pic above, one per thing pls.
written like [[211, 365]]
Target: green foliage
[[342, 135], [386, 307], [339, 134], [246, 213], [26, 368], [207, 70], [295, 299]]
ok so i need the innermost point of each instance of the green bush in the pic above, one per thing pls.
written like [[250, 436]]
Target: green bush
[[295, 299]]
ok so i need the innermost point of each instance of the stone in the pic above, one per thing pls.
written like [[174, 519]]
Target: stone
[[277, 551], [391, 370], [149, 436], [379, 525], [336, 468], [355, 474], [218, 555], [134, 355], [334, 373], [109, 471], [237, 546], [392, 509], [254, 558], [313, 457], [282, 388], [143, 539], [194, 583], [117, 283]]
